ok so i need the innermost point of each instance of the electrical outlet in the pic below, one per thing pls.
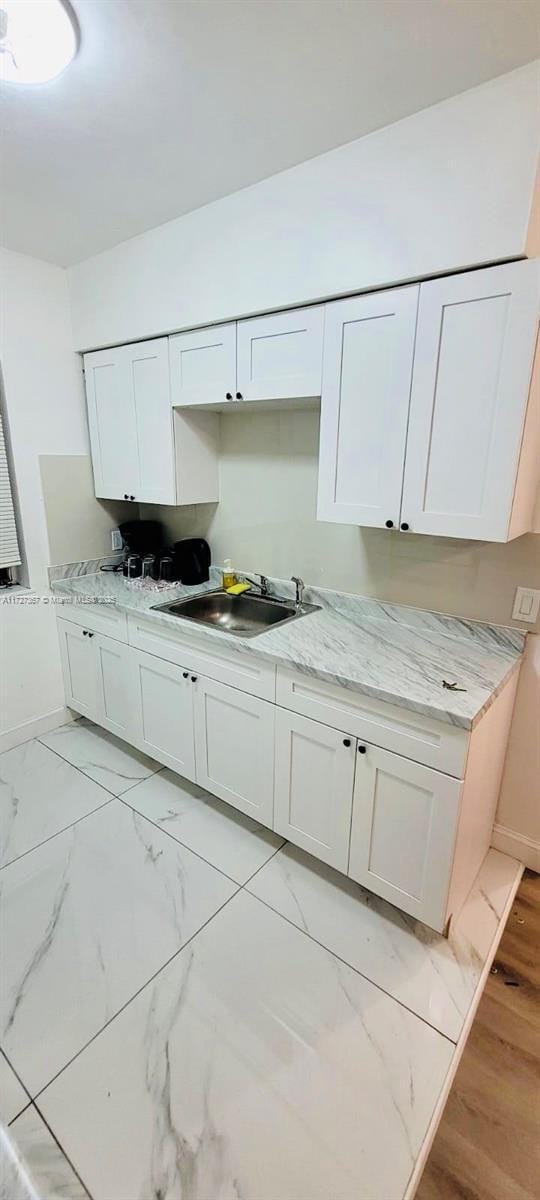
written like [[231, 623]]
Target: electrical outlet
[[526, 605], [116, 539]]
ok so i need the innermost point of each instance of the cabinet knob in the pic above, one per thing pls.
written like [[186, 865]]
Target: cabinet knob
[[361, 749], [193, 678], [404, 526], [346, 741], [132, 497], [185, 674], [90, 634], [85, 633], [126, 497], [389, 524], [239, 396], [228, 395]]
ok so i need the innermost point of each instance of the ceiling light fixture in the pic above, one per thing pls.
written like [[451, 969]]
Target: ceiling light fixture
[[38, 38]]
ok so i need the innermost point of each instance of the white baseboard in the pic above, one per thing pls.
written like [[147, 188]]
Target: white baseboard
[[31, 729], [525, 849]]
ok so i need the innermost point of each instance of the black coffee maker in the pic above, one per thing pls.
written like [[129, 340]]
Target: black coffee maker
[[143, 548], [142, 537], [140, 540]]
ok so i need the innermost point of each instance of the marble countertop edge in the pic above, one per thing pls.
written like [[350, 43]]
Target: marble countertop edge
[[390, 653]]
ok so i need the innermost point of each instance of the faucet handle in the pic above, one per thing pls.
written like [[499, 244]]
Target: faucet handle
[[300, 585]]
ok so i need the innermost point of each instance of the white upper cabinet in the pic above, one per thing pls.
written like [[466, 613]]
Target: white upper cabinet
[[111, 420], [130, 420], [422, 421], [367, 368], [279, 357], [141, 449], [472, 368], [203, 366], [148, 367]]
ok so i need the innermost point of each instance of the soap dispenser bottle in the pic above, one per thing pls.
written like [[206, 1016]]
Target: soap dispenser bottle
[[229, 576]]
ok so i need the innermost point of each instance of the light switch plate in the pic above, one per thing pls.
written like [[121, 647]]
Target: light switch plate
[[116, 539], [526, 605]]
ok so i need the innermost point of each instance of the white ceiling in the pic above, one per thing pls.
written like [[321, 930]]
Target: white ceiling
[[173, 103]]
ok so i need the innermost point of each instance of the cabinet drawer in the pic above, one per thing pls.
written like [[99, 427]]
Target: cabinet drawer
[[420, 738], [100, 618], [221, 663]]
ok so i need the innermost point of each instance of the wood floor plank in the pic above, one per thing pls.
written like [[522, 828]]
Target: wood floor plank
[[487, 1146]]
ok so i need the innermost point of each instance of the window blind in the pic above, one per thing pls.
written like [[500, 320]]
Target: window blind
[[9, 545]]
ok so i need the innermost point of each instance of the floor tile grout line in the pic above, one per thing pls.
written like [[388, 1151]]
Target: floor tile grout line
[[184, 845], [86, 773], [19, 1114], [18, 1078], [74, 767], [62, 1150], [265, 863], [64, 829], [134, 996], [305, 933]]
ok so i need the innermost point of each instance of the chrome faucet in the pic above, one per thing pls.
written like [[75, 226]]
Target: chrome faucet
[[300, 585], [261, 584]]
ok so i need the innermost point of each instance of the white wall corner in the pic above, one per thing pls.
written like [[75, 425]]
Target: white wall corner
[[524, 849], [34, 728]]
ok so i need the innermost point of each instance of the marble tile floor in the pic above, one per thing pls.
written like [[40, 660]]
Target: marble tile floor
[[191, 1009]]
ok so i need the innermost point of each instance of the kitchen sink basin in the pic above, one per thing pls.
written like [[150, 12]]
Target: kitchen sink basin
[[244, 615]]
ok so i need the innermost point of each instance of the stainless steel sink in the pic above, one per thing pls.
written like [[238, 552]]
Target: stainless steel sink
[[244, 615]]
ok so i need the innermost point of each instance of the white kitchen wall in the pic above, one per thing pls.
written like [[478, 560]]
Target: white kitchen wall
[[47, 416], [449, 187], [80, 528]]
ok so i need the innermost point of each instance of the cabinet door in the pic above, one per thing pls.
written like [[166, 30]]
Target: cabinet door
[[162, 704], [111, 421], [79, 667], [203, 365], [313, 787], [114, 708], [279, 357], [473, 360], [234, 741], [367, 368], [148, 370], [403, 832]]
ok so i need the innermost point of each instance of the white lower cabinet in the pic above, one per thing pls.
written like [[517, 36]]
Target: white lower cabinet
[[79, 667], [404, 826], [161, 695], [113, 686], [387, 821], [314, 786], [234, 744], [95, 671]]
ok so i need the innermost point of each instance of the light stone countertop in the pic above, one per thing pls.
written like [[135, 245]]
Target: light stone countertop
[[390, 652]]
